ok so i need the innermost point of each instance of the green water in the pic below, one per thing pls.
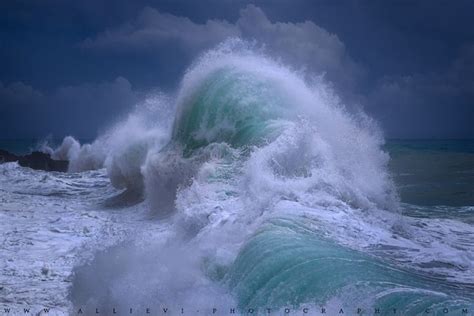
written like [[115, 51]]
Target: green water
[[433, 172], [286, 264], [217, 112]]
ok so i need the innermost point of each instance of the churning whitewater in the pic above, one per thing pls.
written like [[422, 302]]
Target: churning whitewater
[[252, 188]]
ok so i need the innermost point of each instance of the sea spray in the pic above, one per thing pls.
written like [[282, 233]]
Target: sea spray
[[258, 158]]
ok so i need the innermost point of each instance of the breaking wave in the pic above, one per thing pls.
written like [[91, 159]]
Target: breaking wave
[[268, 190]]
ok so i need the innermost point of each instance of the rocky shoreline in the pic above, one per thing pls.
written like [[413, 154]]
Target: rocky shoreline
[[36, 160]]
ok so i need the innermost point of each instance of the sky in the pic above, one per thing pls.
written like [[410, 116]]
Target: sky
[[72, 67]]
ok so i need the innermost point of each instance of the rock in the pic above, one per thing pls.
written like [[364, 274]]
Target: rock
[[6, 156], [36, 160], [44, 270]]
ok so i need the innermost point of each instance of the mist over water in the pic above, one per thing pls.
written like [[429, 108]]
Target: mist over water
[[255, 188]]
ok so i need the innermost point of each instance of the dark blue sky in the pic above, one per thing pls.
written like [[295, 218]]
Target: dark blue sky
[[72, 67]]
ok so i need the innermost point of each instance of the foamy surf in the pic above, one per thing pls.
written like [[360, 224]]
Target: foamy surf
[[260, 191]]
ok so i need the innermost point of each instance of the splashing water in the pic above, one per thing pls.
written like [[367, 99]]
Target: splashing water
[[262, 191]]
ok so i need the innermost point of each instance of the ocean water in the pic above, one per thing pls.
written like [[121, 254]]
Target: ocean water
[[252, 190]]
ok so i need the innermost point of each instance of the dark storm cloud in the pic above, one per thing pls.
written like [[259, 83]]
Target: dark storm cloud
[[428, 105], [302, 44], [153, 30], [75, 110], [69, 67], [18, 93]]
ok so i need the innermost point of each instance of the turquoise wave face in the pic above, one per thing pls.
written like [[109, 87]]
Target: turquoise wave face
[[229, 106], [286, 264], [253, 142]]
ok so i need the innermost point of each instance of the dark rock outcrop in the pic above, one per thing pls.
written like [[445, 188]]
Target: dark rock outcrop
[[36, 160]]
